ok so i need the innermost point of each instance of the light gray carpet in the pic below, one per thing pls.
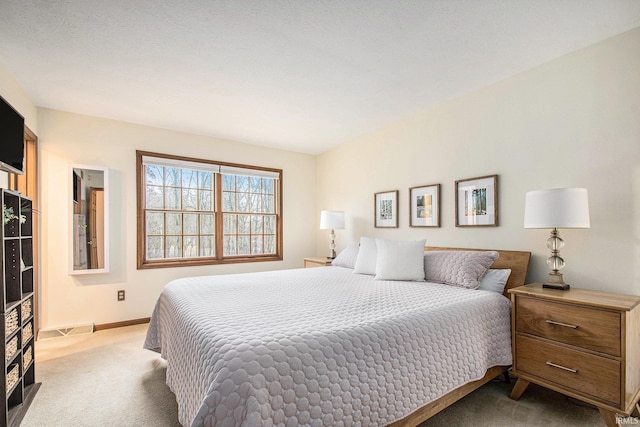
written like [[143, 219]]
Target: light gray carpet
[[113, 383], [109, 380]]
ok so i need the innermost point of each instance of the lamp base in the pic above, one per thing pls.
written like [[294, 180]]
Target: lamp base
[[556, 282], [331, 257], [332, 246], [559, 287]]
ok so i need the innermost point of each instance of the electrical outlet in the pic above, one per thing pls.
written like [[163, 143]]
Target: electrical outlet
[[121, 295]]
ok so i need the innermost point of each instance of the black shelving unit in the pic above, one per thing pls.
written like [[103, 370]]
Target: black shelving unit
[[18, 383]]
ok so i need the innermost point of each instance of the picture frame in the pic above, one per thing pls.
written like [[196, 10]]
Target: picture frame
[[386, 209], [476, 202], [424, 206]]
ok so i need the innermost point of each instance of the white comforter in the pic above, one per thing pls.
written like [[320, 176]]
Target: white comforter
[[321, 346]]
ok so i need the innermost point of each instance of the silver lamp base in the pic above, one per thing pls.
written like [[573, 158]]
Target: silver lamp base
[[556, 282]]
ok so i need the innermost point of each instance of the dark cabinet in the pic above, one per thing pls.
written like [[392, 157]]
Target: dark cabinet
[[16, 309]]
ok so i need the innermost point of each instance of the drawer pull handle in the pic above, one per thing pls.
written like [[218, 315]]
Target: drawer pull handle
[[562, 367], [566, 325]]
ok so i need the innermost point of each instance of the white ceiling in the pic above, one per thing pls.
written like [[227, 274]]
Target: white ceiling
[[302, 75]]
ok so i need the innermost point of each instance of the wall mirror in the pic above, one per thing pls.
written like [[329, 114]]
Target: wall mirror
[[89, 194]]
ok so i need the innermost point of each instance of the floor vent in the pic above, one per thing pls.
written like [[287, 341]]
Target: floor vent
[[65, 332]]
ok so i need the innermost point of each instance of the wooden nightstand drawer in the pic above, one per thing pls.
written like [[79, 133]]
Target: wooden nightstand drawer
[[580, 342], [584, 327], [596, 377]]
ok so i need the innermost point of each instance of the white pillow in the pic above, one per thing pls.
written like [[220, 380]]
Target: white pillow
[[400, 260], [347, 257], [366, 261], [495, 280]]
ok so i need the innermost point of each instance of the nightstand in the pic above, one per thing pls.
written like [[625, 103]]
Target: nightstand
[[582, 343], [316, 262]]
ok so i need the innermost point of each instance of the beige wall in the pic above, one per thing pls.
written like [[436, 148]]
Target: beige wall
[[573, 122], [67, 138]]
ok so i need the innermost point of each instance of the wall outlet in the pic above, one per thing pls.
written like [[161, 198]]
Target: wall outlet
[[121, 295]]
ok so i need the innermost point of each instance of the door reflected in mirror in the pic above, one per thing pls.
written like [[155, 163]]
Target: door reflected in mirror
[[90, 224]]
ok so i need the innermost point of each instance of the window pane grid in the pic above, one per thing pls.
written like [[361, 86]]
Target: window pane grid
[[249, 217], [179, 210], [178, 188], [247, 194], [249, 234], [180, 235]]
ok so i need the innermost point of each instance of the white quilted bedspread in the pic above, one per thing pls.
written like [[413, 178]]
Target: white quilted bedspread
[[321, 346]]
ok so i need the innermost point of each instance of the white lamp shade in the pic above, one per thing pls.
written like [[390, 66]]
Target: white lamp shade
[[557, 208], [331, 220]]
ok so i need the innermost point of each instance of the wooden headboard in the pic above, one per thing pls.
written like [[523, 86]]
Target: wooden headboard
[[517, 261]]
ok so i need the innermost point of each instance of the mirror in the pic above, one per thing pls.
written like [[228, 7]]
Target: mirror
[[89, 190]]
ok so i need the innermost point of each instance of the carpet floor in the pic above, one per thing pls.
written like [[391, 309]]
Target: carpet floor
[[107, 379]]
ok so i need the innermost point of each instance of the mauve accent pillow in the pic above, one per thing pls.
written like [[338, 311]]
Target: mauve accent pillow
[[347, 257], [366, 261], [400, 260], [458, 268], [495, 280]]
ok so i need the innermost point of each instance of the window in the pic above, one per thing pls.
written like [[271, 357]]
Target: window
[[197, 212]]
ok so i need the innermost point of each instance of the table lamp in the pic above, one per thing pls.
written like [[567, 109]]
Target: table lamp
[[556, 208], [332, 220]]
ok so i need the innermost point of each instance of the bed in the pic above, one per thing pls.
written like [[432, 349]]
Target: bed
[[327, 347]]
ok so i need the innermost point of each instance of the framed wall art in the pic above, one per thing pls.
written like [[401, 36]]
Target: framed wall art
[[424, 206], [386, 209], [477, 202]]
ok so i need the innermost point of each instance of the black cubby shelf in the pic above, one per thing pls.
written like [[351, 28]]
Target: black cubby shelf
[[18, 384]]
